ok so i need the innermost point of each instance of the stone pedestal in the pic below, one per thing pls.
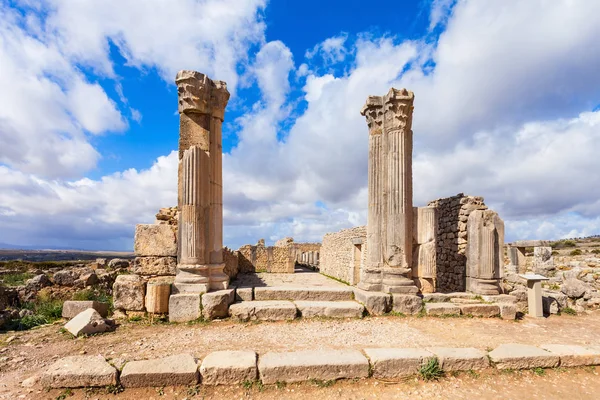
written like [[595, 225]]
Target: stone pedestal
[[200, 244], [390, 214], [485, 258], [535, 303]]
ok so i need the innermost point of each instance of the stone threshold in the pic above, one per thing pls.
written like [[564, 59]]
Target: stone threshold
[[242, 367]]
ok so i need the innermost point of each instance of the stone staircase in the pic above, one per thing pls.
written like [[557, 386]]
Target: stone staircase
[[284, 303]]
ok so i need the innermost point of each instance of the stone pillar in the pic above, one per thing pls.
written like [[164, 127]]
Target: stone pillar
[[202, 103], [485, 248], [390, 213], [425, 252]]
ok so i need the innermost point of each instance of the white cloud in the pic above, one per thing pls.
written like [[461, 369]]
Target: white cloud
[[331, 51]]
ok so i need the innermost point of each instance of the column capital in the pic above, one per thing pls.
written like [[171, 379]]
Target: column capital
[[398, 109], [373, 111], [197, 93]]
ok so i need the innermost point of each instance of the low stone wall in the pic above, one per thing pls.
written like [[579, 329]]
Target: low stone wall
[[339, 253], [306, 254], [453, 214], [260, 258]]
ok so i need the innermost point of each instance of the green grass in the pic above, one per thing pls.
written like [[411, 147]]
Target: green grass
[[473, 373], [561, 244], [575, 252], [568, 311], [321, 383], [431, 370], [539, 371], [15, 279], [335, 279], [45, 311]]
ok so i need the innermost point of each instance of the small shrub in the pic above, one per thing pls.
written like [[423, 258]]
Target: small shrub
[[539, 371], [473, 374], [194, 390], [555, 253], [280, 385], [568, 311], [596, 251], [561, 244], [114, 389], [135, 318], [575, 252], [322, 384], [431, 370]]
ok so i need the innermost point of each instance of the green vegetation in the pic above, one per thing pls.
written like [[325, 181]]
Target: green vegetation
[[194, 390], [322, 384], [45, 310], [24, 265], [596, 251], [280, 385], [568, 311], [473, 374], [335, 279], [539, 371], [114, 389], [16, 278], [575, 252], [431, 370], [561, 244]]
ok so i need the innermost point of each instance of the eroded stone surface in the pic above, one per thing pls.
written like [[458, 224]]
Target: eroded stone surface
[[244, 294], [312, 293], [269, 310], [158, 291], [184, 307], [128, 293], [508, 311], [177, 370], [306, 365], [216, 304], [391, 363], [442, 309], [155, 240], [79, 371], [460, 359], [480, 310], [376, 303], [154, 266], [574, 356], [88, 322], [521, 356], [331, 309], [228, 368], [407, 304]]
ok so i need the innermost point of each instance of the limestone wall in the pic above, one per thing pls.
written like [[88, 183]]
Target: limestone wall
[[338, 253], [453, 214], [260, 258], [307, 254]]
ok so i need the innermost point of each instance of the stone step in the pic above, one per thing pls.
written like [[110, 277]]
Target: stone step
[[330, 309], [308, 293], [263, 310]]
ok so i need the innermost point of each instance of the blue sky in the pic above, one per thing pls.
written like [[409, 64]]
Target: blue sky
[[506, 107]]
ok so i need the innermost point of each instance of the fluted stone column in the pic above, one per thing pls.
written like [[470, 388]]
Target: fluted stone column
[[390, 215], [485, 252], [202, 103]]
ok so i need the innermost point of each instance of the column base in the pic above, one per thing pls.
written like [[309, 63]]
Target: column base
[[397, 280], [200, 278], [484, 286]]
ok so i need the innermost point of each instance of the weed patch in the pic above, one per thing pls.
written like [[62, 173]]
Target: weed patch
[[431, 370]]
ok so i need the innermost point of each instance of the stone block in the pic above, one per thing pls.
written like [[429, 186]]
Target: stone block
[[128, 293], [154, 266], [268, 310], [376, 303], [508, 311], [391, 363], [407, 304], [313, 293], [79, 371], [529, 243], [73, 307], [500, 298], [244, 294], [88, 322], [184, 307], [480, 310], [177, 370], [460, 359], [155, 240], [229, 368], [158, 291], [331, 309], [521, 356], [312, 364], [437, 309], [216, 304], [574, 356]]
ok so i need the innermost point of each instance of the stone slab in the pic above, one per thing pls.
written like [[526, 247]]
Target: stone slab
[[330, 309], [446, 297], [177, 370], [216, 304], [529, 243], [267, 310], [154, 266], [508, 311], [407, 304], [88, 322], [437, 309], [521, 356], [392, 363], [309, 293], [461, 359], [129, 292], [73, 307], [244, 294], [313, 364], [480, 310], [184, 307], [574, 356], [155, 240], [79, 371], [229, 368], [376, 303]]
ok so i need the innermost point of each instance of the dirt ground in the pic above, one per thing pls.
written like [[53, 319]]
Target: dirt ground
[[31, 351]]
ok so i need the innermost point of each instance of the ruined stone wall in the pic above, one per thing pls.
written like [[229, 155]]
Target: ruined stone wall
[[453, 214], [230, 257], [337, 253], [306, 254], [260, 258]]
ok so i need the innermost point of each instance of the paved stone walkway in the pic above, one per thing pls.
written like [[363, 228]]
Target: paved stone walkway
[[302, 277]]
